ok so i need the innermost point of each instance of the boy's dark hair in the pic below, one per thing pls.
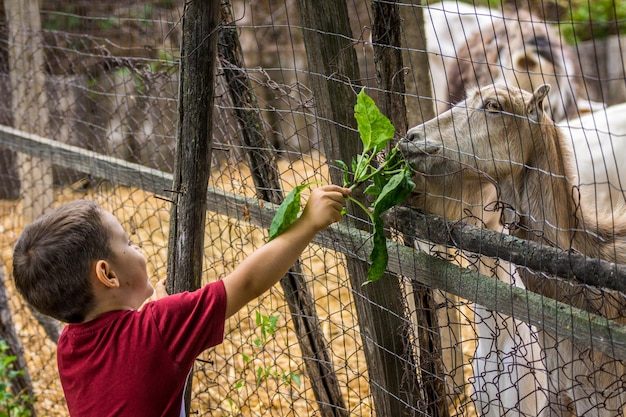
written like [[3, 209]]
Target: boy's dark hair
[[53, 257]]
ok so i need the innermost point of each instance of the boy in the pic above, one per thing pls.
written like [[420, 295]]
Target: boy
[[76, 264]]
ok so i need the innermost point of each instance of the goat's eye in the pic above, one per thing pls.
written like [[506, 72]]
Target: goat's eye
[[492, 105]]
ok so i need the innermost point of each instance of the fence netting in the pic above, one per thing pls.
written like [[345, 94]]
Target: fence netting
[[103, 76]]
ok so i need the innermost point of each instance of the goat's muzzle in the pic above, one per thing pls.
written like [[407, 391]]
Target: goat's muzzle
[[416, 145]]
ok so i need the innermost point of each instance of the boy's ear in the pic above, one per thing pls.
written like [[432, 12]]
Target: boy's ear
[[105, 275]]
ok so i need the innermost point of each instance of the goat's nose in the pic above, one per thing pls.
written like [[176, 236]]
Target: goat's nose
[[415, 133], [412, 137], [416, 142]]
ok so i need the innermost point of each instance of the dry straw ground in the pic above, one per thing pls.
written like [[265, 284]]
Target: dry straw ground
[[226, 382]]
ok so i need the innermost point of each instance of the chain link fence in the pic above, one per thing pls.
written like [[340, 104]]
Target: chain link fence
[[101, 78]]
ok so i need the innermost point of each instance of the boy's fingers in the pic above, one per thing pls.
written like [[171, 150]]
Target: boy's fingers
[[337, 193], [344, 191]]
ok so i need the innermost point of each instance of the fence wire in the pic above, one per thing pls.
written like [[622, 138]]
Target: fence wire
[[108, 83]]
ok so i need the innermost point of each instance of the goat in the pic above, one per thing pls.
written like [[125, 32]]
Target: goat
[[515, 47], [599, 144], [448, 25], [501, 135], [508, 375]]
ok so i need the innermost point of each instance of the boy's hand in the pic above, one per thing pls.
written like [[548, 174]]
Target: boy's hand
[[324, 206]]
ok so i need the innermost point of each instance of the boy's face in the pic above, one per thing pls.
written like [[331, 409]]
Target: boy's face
[[128, 263]]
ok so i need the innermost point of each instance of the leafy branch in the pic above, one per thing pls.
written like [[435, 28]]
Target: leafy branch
[[388, 180]]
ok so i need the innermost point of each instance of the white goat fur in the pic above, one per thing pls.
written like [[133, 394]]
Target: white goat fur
[[448, 25], [599, 145], [476, 46], [502, 136]]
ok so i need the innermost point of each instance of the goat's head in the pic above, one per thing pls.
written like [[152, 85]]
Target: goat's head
[[491, 134]]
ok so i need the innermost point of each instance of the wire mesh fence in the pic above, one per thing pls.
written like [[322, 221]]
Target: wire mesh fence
[[478, 334]]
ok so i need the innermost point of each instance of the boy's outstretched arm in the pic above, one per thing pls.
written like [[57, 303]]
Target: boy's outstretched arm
[[268, 264]]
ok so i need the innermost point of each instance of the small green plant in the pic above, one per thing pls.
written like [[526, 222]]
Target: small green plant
[[11, 405], [267, 326], [388, 182]]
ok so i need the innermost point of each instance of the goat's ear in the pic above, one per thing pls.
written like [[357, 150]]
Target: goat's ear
[[535, 105]]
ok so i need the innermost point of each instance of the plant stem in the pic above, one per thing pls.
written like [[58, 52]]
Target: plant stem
[[365, 209], [361, 179]]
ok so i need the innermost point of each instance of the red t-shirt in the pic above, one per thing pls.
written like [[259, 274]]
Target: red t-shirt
[[135, 363]]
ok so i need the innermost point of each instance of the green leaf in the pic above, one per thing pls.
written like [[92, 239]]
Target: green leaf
[[379, 182], [287, 212], [394, 159], [273, 324], [379, 257], [395, 191], [346, 172], [354, 167], [291, 378], [372, 189], [295, 377], [375, 129]]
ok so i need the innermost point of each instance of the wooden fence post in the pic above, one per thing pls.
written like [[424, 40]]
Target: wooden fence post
[[267, 182], [380, 305], [29, 101], [30, 114], [420, 105], [388, 59], [193, 152]]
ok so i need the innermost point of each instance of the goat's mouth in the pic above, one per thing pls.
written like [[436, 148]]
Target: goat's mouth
[[424, 147], [415, 150]]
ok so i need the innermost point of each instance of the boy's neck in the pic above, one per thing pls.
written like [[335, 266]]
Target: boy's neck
[[98, 311]]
